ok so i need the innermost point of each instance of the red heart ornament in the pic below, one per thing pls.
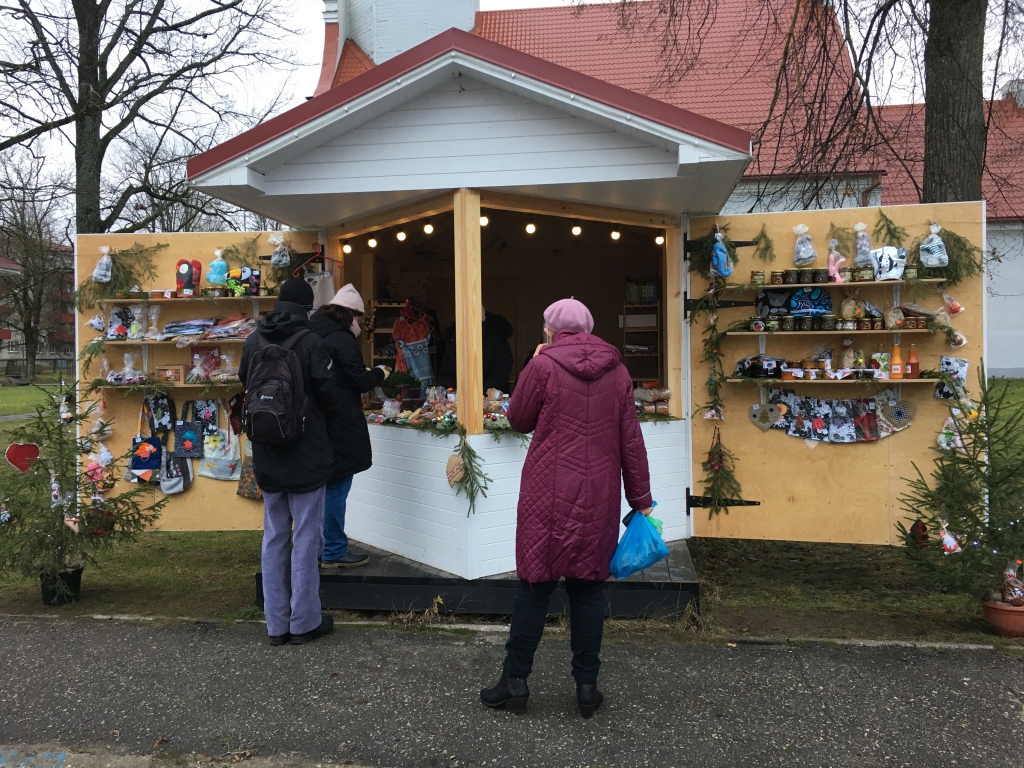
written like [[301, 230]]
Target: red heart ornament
[[22, 455]]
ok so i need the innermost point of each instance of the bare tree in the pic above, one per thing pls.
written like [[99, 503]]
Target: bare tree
[[94, 71], [34, 225]]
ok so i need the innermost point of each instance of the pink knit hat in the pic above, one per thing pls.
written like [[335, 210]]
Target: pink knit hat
[[568, 315], [349, 298]]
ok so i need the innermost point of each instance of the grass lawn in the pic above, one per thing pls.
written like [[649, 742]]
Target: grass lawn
[[15, 400]]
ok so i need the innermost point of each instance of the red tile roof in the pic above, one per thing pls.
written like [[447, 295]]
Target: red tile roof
[[353, 62], [512, 60], [9, 265]]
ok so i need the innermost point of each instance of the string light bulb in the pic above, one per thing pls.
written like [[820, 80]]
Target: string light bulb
[[401, 236], [372, 243], [616, 234], [484, 221], [531, 228], [346, 248], [428, 228], [659, 240], [577, 230]]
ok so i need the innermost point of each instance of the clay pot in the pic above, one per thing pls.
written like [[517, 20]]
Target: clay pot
[[1004, 619]]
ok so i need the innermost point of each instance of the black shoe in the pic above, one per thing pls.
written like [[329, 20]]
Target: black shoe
[[326, 625], [510, 693], [280, 639], [588, 698], [348, 561]]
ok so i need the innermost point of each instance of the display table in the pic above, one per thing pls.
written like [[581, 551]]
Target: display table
[[403, 503]]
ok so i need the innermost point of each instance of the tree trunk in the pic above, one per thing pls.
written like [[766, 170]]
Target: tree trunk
[[89, 149], [954, 115]]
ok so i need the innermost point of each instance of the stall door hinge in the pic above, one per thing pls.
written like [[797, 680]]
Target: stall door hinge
[[704, 502]]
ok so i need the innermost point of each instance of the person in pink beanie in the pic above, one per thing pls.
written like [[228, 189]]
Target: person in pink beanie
[[576, 397]]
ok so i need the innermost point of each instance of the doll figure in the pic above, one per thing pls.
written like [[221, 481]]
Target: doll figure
[[950, 545], [835, 261], [720, 265], [56, 496]]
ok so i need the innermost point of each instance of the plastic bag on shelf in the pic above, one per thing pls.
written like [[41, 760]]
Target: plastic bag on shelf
[[121, 319], [137, 328], [933, 250], [227, 371], [803, 252], [863, 247], [893, 317], [640, 547], [217, 272], [955, 307], [104, 267], [889, 262], [98, 323], [197, 373], [280, 258]]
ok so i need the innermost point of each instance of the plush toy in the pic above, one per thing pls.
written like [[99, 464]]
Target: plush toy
[[187, 274], [835, 261]]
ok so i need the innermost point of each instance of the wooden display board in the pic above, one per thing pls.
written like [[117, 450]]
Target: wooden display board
[[209, 504], [832, 492]]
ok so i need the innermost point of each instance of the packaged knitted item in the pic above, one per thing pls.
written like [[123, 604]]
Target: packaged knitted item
[[280, 258], [102, 272], [863, 256], [933, 250], [803, 252]]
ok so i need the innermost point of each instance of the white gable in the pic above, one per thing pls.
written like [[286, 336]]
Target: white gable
[[466, 133]]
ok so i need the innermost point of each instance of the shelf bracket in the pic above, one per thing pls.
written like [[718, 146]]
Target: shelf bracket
[[145, 357], [761, 344], [693, 502]]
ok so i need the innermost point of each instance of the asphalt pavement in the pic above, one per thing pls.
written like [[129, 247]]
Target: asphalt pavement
[[386, 697]]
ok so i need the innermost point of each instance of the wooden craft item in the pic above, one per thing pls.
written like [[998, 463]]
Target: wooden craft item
[[899, 413], [765, 416], [454, 469], [22, 455]]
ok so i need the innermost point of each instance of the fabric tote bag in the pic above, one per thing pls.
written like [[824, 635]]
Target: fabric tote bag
[[188, 435], [146, 451], [222, 456], [175, 473], [247, 487]]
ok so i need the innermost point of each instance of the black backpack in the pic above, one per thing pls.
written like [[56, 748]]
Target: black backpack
[[275, 392]]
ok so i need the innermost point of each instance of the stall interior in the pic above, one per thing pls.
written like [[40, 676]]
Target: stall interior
[[528, 261]]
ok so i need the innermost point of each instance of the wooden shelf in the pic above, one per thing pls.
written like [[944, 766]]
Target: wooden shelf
[[194, 299], [169, 385], [822, 333], [641, 306], [168, 342], [850, 284], [787, 382]]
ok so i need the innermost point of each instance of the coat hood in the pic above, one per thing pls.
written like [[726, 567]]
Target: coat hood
[[284, 320], [497, 325], [323, 325], [583, 355]]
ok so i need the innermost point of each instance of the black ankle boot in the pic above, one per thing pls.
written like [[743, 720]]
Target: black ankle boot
[[588, 698], [510, 693]]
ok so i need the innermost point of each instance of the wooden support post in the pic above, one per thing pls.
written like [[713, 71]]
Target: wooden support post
[[469, 372], [672, 280], [368, 297]]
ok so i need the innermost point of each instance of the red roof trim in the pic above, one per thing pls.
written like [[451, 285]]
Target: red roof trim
[[330, 60], [485, 50]]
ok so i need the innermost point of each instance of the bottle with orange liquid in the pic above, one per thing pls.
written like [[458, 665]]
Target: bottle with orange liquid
[[912, 369], [895, 363]]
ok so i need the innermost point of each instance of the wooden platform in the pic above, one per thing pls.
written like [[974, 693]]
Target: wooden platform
[[392, 583]]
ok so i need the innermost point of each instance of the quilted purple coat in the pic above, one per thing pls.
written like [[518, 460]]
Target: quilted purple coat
[[577, 399]]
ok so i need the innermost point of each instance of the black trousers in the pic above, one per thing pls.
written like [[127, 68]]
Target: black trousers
[[586, 625]]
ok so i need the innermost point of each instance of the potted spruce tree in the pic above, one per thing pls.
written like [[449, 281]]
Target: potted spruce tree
[[56, 513], [970, 509]]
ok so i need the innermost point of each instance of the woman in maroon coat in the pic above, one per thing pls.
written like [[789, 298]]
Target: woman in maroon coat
[[577, 399]]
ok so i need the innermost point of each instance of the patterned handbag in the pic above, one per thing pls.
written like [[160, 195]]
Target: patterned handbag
[[145, 460], [247, 487], [188, 435], [222, 456]]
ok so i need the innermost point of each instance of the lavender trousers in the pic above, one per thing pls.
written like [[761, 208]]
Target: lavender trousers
[[291, 573]]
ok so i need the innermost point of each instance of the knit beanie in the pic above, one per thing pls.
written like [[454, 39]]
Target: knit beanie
[[349, 298], [297, 291], [568, 315]]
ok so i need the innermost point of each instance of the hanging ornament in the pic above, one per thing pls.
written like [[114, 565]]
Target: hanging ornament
[[716, 459], [22, 455], [65, 413], [455, 470], [56, 495], [5, 515], [72, 522], [101, 519], [950, 545], [920, 533]]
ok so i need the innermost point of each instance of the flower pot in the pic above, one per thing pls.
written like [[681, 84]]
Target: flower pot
[[72, 580], [1004, 619]]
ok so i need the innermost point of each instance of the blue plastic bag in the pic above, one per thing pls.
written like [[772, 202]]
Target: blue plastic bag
[[640, 547]]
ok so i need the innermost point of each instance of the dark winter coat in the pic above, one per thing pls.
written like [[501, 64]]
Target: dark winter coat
[[347, 430], [304, 464], [577, 399], [497, 354]]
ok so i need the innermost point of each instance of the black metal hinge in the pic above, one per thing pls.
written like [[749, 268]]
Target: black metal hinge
[[689, 305], [706, 501]]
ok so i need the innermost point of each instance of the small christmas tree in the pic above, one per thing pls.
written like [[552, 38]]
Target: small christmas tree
[[54, 516], [970, 509]]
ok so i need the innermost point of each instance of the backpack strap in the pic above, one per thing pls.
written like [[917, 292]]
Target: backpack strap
[[292, 340]]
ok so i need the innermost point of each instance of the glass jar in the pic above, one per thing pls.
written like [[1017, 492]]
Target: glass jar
[[772, 324], [877, 324], [757, 277], [787, 323], [791, 276], [805, 276], [864, 324], [778, 277], [806, 323], [757, 324], [821, 275], [828, 322]]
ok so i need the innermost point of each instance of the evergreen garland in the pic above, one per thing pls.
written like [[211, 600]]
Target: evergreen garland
[[845, 239], [965, 259], [130, 267], [474, 482], [764, 246], [90, 352], [243, 254], [720, 483], [888, 232], [978, 491]]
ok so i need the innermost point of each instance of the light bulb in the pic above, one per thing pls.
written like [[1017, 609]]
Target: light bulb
[[372, 243], [530, 229], [659, 240], [577, 230], [615, 234], [400, 236], [428, 228], [346, 248], [484, 221]]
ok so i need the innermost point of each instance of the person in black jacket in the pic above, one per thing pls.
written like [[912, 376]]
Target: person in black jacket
[[338, 324], [294, 476], [497, 354]]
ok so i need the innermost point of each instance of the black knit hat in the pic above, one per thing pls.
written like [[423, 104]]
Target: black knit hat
[[297, 291]]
